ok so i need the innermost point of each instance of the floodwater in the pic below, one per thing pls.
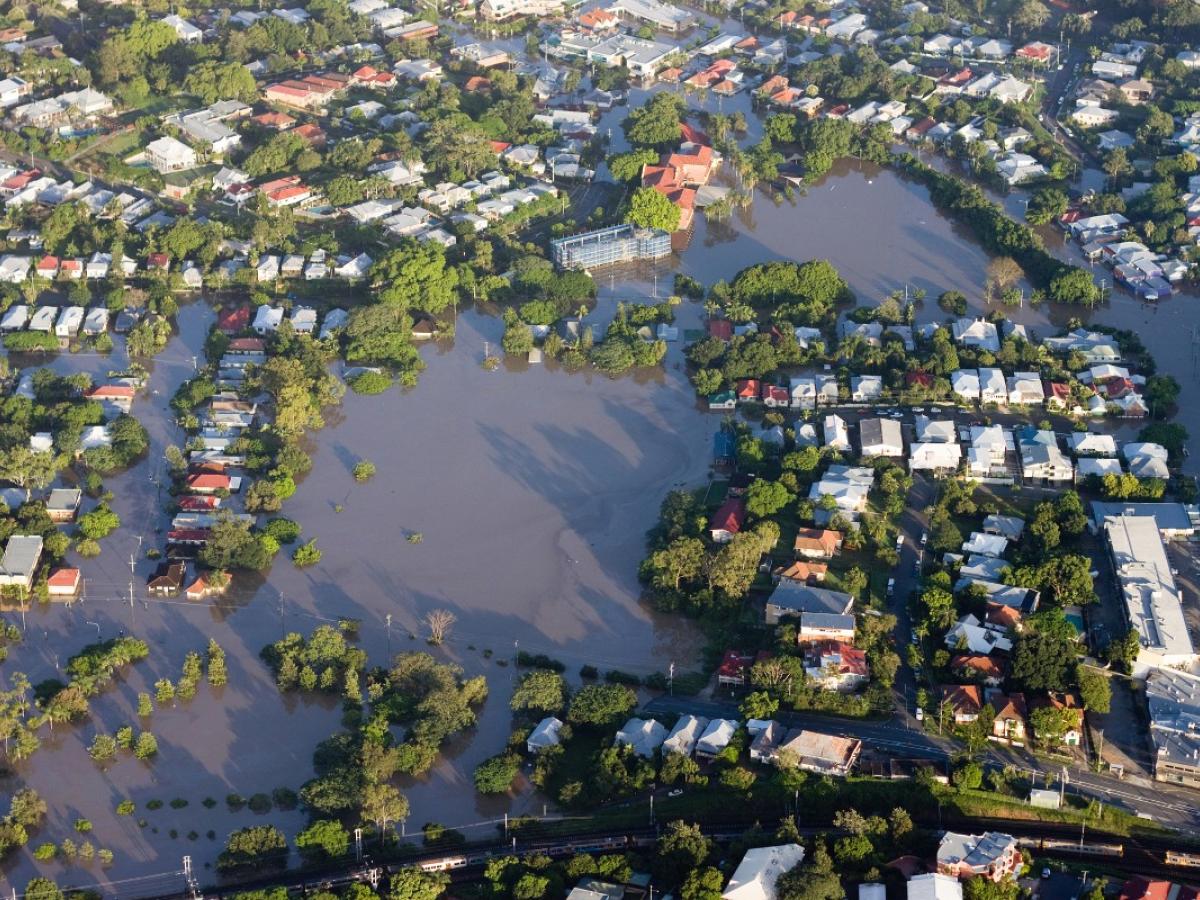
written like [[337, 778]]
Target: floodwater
[[532, 489]]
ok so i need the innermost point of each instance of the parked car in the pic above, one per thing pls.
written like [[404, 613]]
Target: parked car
[[924, 537], [920, 714]]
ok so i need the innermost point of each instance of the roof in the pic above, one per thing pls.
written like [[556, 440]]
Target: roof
[[975, 850], [934, 886], [729, 517], [963, 698], [21, 555], [760, 868], [793, 596]]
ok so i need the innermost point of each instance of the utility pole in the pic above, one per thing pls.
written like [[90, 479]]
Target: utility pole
[[388, 619], [671, 678], [358, 848], [282, 626], [131, 610]]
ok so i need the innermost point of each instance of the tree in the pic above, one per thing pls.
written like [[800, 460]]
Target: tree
[[42, 889], [1046, 205], [810, 882], [759, 705], [681, 849], [1073, 286], [765, 498], [702, 884], [28, 468], [439, 623], [1030, 15], [541, 690], [325, 838], [1003, 272], [383, 804], [496, 775], [650, 209], [657, 123], [628, 166], [681, 560], [411, 883], [1043, 662], [968, 776], [1051, 723], [254, 845], [1095, 690], [415, 276], [212, 81], [601, 704]]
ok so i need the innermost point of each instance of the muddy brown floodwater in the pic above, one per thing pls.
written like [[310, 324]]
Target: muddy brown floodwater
[[532, 488]]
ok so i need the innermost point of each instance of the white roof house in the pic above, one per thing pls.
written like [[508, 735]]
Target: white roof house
[[14, 269], [15, 318], [1085, 443], [43, 318], [643, 735], [169, 155], [544, 734], [934, 456], [70, 320], [304, 319], [937, 431], [760, 868], [684, 735], [986, 544], [836, 435], [865, 388], [267, 319], [880, 437], [976, 333], [965, 383], [334, 319], [716, 737], [934, 886]]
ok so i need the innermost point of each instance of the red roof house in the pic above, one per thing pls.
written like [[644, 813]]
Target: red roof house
[[727, 520]]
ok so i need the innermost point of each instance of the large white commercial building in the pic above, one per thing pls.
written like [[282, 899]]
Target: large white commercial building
[[1153, 605]]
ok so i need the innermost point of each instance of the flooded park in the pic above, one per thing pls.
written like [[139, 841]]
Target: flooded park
[[532, 489]]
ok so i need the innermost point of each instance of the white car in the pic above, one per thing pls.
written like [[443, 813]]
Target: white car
[[899, 542], [920, 714], [924, 537]]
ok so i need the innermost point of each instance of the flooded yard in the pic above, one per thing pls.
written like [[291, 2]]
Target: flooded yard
[[532, 489]]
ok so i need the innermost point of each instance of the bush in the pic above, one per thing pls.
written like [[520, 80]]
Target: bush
[[364, 470], [615, 676], [260, 803], [307, 554], [539, 661], [370, 383], [285, 531], [234, 802], [496, 775], [125, 808], [251, 846], [284, 799], [588, 671]]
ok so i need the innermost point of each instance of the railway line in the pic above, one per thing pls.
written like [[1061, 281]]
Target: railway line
[[1153, 857]]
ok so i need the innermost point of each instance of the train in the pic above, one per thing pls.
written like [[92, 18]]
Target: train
[[1064, 845], [615, 843], [1179, 858]]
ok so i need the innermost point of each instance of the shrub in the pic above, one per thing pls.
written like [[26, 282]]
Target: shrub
[[178, 803], [496, 775], [364, 470], [260, 803], [370, 383], [285, 799], [154, 804], [234, 802], [307, 554], [125, 808], [146, 746], [285, 531]]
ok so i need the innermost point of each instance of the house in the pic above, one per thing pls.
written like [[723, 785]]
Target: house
[[644, 735], [64, 581], [210, 482], [1009, 527], [1136, 91], [1045, 464], [936, 457], [63, 504], [881, 437], [1086, 443], [936, 431], [715, 737], [814, 751], [684, 735], [1011, 715], [169, 155], [727, 520], [836, 435], [866, 388], [167, 580], [964, 700], [817, 543], [969, 635], [1025, 388], [1072, 707], [934, 886], [847, 486], [735, 667], [268, 319], [759, 870], [19, 564], [986, 455], [965, 384], [819, 626], [978, 668], [803, 570], [791, 598], [117, 397], [990, 855], [978, 333], [836, 666], [544, 734]]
